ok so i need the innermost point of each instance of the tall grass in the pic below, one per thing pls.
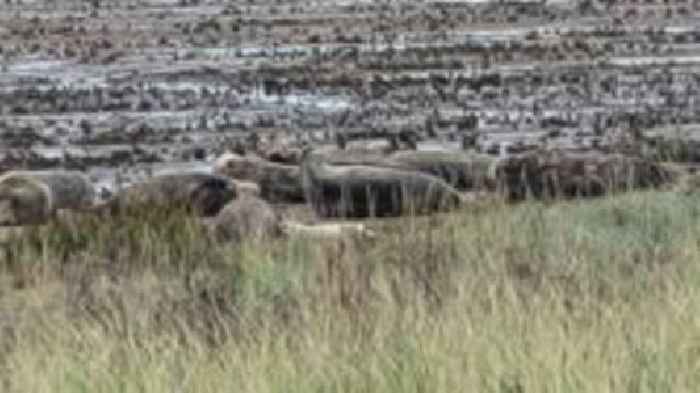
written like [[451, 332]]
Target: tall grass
[[595, 296]]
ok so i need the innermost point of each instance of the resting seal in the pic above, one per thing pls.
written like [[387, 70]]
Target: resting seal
[[203, 194], [367, 191], [33, 197]]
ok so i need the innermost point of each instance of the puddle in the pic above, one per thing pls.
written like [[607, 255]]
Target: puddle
[[657, 60], [438, 146]]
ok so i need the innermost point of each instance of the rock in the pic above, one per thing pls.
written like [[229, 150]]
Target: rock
[[33, 197], [201, 193], [368, 191], [277, 182], [557, 174], [246, 218]]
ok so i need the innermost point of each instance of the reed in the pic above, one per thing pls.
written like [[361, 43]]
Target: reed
[[579, 296]]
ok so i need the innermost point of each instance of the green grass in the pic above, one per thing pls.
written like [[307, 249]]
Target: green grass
[[594, 296]]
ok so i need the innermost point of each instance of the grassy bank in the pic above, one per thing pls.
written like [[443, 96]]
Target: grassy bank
[[601, 296]]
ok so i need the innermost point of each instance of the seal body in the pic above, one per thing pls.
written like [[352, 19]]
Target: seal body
[[465, 172], [277, 182], [201, 193], [545, 175], [246, 217], [462, 171], [358, 191], [33, 197]]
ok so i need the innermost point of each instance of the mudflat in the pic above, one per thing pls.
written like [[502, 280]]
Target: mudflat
[[126, 90]]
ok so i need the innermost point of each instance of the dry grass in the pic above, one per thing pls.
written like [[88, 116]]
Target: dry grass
[[597, 296]]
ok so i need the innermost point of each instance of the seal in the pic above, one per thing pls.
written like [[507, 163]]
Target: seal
[[460, 170], [203, 194], [277, 182], [555, 174], [360, 191], [33, 197], [246, 218]]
